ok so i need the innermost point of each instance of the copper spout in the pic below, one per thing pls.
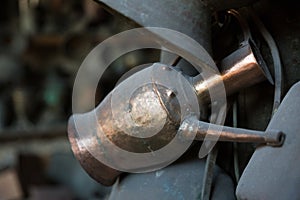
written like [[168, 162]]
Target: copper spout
[[240, 69]]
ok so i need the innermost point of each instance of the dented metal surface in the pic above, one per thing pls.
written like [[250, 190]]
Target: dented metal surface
[[151, 108], [157, 118], [163, 107], [244, 71]]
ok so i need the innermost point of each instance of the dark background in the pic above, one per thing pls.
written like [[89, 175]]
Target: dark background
[[42, 44]]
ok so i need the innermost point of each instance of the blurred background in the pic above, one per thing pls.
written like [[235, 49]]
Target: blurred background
[[42, 44]]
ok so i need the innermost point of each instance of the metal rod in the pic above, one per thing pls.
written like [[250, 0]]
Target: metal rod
[[209, 173], [276, 59], [228, 134], [235, 145]]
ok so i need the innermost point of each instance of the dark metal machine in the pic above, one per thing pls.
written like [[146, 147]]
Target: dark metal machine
[[244, 51]]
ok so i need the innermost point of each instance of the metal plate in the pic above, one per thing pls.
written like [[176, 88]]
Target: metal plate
[[273, 173], [190, 17], [179, 181]]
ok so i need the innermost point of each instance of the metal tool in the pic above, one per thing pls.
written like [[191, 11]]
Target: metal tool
[[239, 70], [244, 71]]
